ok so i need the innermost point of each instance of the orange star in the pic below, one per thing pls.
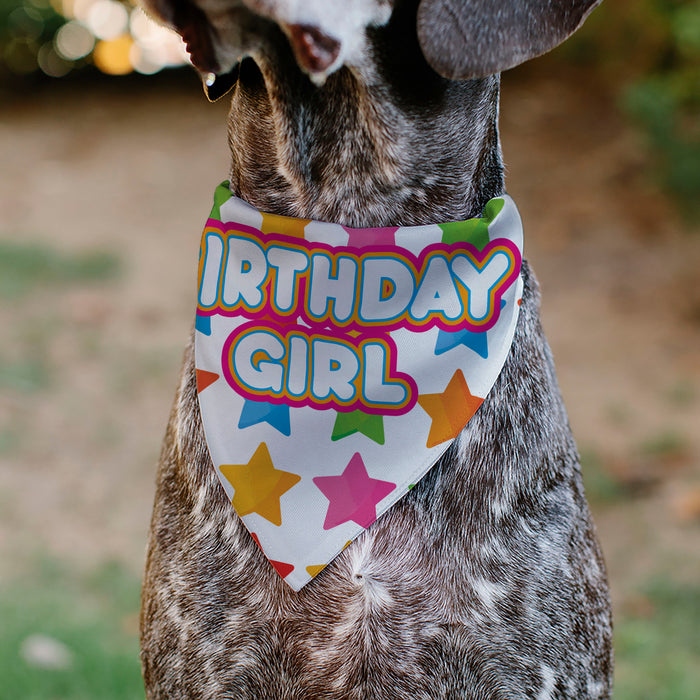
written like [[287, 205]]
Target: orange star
[[450, 410], [205, 379], [286, 225], [259, 486]]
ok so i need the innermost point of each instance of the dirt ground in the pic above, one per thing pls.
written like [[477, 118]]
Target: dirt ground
[[131, 170]]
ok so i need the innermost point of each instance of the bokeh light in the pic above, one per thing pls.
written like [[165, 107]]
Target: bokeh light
[[52, 63], [73, 41], [20, 55], [58, 36], [26, 20], [112, 55], [154, 46], [107, 19]]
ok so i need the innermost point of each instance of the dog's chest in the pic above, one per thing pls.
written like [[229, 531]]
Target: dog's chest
[[490, 560]]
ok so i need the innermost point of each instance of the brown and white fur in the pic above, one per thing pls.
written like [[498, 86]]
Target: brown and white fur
[[486, 580]]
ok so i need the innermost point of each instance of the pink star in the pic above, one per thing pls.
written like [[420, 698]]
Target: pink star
[[361, 237], [353, 495]]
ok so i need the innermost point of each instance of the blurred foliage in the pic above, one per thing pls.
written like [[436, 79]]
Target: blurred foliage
[[649, 52], [27, 32], [56, 37], [667, 104]]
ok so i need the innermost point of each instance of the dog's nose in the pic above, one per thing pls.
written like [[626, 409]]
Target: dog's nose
[[314, 50]]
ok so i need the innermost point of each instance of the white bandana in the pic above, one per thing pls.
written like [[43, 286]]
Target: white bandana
[[336, 365]]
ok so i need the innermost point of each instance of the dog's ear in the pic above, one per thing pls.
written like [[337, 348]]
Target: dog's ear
[[190, 22], [473, 38]]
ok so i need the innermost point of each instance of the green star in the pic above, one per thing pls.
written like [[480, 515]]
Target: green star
[[221, 195], [474, 231], [358, 422]]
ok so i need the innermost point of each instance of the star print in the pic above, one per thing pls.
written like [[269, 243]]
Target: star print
[[474, 341], [282, 568], [358, 422], [474, 231], [289, 226], [361, 237], [205, 379], [450, 410], [352, 495], [258, 485], [203, 324], [221, 195], [255, 412], [315, 569]]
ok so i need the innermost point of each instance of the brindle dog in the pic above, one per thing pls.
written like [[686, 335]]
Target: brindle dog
[[486, 580]]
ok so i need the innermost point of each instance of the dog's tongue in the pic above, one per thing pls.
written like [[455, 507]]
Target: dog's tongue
[[314, 50]]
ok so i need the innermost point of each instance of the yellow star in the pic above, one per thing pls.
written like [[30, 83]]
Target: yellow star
[[315, 569], [259, 486], [286, 225], [450, 410]]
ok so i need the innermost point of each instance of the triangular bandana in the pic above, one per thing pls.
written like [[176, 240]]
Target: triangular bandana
[[336, 365]]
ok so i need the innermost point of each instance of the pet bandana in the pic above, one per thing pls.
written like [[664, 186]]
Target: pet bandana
[[336, 365]]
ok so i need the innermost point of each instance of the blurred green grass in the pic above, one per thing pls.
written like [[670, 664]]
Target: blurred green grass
[[94, 616], [26, 266], [30, 270], [658, 647]]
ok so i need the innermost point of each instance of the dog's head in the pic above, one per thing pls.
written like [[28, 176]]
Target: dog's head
[[460, 39]]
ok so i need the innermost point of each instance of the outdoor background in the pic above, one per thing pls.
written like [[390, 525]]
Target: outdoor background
[[109, 160]]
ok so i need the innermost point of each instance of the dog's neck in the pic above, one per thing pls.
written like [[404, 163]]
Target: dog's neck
[[388, 143]]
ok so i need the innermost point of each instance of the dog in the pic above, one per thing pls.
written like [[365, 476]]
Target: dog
[[486, 580]]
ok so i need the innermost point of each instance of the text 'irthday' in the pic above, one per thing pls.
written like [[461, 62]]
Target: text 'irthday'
[[319, 316]]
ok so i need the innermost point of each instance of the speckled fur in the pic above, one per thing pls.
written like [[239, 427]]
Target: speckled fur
[[486, 580]]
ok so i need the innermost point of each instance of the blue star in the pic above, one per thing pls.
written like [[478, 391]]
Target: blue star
[[474, 341], [203, 324], [255, 412]]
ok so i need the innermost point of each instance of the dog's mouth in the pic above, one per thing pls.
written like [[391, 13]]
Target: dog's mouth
[[315, 51]]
